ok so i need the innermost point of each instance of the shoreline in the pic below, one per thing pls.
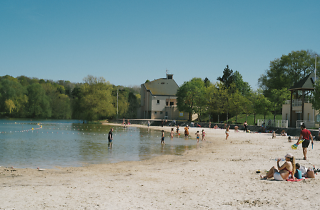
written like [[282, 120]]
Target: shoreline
[[218, 174]]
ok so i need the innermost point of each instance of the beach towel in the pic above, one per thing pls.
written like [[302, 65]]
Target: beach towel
[[295, 180]]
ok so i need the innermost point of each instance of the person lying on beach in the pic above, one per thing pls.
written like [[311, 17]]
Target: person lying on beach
[[282, 173]]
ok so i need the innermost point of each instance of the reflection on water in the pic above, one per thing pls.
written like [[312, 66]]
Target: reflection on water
[[50, 143]]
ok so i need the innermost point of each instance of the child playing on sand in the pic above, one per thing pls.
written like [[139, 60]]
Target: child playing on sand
[[186, 131], [198, 136], [171, 134], [162, 137], [274, 134], [203, 135], [227, 131]]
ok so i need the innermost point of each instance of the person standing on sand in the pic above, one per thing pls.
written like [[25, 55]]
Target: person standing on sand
[[186, 131], [178, 129], [203, 135], [110, 137], [210, 124], [227, 131], [306, 135], [245, 125]]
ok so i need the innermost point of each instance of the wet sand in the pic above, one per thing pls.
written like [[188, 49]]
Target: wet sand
[[219, 174]]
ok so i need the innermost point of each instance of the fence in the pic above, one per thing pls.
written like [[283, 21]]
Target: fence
[[307, 123], [272, 123]]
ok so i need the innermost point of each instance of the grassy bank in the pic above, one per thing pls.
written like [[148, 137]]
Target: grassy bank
[[250, 118]]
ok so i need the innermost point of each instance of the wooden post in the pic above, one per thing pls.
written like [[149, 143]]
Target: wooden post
[[302, 118], [291, 109]]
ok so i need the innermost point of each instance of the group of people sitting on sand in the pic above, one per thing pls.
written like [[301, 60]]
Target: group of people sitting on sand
[[289, 170]]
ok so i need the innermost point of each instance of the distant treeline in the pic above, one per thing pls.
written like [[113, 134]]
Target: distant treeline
[[94, 99]]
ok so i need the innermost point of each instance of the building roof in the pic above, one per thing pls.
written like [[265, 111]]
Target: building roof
[[305, 83], [162, 87]]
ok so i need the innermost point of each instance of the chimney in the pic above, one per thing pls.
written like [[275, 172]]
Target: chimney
[[169, 76]]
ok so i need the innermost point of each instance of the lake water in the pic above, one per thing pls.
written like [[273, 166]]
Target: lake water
[[50, 143]]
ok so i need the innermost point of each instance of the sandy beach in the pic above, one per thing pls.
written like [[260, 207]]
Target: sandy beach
[[219, 174]]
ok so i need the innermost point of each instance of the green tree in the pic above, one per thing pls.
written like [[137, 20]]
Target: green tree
[[120, 98], [242, 86], [10, 105], [262, 105], [207, 82], [190, 97], [287, 70], [12, 90], [96, 100], [134, 104], [315, 100], [76, 96], [216, 95], [61, 107], [227, 78], [278, 99], [237, 104], [38, 102]]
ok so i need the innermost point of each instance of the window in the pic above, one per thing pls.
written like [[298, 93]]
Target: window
[[158, 101], [167, 103], [160, 112], [171, 103], [155, 112]]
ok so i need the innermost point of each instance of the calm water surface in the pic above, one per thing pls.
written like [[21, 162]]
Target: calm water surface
[[50, 143]]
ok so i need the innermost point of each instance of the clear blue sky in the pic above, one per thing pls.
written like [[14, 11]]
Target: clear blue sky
[[128, 42]]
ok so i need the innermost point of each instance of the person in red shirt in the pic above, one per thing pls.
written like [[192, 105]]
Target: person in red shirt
[[306, 135]]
